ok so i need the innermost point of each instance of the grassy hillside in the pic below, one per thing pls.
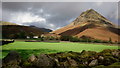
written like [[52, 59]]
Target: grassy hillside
[[17, 31], [12, 30], [6, 23]]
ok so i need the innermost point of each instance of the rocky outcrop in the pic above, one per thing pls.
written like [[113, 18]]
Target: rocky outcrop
[[93, 62], [12, 60], [32, 58], [43, 60], [84, 59]]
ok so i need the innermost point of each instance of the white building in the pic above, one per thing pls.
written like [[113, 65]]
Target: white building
[[35, 36], [27, 37]]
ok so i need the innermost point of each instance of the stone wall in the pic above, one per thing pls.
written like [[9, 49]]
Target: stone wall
[[85, 59]]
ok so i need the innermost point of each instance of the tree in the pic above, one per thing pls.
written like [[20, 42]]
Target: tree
[[75, 39], [110, 40], [31, 35], [22, 35], [65, 38]]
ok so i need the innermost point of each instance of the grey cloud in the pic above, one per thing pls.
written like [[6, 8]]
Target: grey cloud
[[60, 13]]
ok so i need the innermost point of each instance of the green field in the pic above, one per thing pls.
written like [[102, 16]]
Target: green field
[[28, 48]]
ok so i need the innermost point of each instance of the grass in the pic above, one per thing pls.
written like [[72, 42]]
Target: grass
[[26, 53], [46, 47]]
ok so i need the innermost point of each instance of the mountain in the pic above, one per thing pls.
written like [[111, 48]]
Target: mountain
[[46, 30], [11, 30], [91, 24], [91, 16], [43, 29]]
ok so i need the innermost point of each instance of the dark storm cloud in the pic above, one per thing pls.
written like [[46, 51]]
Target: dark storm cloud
[[54, 15]]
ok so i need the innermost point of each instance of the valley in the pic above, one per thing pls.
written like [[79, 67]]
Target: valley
[[90, 36]]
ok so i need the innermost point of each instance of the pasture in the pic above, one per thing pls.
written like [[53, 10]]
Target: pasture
[[28, 48]]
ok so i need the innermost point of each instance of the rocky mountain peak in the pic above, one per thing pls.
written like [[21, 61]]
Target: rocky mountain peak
[[92, 16]]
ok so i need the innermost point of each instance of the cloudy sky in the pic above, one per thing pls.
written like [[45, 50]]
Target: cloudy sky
[[54, 15]]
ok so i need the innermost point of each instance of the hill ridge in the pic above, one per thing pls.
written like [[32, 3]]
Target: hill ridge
[[7, 23]]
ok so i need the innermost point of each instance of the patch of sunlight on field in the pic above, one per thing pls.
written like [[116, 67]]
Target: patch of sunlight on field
[[62, 46]]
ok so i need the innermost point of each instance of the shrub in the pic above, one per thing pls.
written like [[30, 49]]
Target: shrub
[[83, 39], [104, 41], [65, 38], [97, 41], [110, 40], [75, 39], [49, 38]]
